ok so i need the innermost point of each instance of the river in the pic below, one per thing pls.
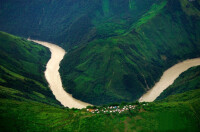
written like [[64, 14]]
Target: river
[[167, 79], [52, 76]]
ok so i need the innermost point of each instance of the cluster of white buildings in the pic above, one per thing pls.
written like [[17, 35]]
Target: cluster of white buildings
[[112, 109]]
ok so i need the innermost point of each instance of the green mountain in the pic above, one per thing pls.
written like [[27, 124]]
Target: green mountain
[[26, 104], [122, 67], [22, 70], [188, 80], [118, 49], [72, 22]]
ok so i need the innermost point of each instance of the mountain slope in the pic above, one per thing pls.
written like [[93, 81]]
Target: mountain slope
[[21, 70], [72, 22], [123, 67]]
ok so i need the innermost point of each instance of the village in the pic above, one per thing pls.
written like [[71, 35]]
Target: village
[[113, 109]]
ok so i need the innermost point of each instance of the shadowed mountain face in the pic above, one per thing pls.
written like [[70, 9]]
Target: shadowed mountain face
[[117, 49], [70, 22]]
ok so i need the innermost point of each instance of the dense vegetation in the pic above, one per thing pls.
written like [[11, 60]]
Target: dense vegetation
[[25, 111], [188, 80], [70, 22], [176, 113], [22, 70], [26, 104], [122, 67]]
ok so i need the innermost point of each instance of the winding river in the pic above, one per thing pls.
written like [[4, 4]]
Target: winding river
[[168, 78], [53, 77]]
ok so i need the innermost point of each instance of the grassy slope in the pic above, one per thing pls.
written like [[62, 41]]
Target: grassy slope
[[122, 68], [188, 80], [21, 70], [178, 113]]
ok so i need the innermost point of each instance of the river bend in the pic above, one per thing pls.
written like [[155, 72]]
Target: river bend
[[167, 79], [52, 76]]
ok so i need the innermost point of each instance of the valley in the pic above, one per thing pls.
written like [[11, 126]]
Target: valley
[[100, 65], [55, 83]]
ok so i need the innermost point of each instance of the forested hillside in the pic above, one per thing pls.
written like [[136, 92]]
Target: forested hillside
[[22, 70], [70, 22]]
